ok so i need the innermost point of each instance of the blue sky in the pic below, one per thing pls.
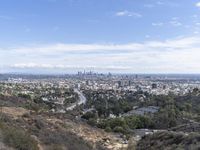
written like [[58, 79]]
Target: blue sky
[[126, 36]]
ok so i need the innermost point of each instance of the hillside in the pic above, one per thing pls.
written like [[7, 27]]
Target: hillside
[[170, 141], [27, 129]]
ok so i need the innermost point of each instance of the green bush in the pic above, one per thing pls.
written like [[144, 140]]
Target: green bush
[[119, 129], [92, 122], [138, 122], [116, 122], [66, 139], [108, 129], [26, 96], [125, 123], [18, 139], [88, 115]]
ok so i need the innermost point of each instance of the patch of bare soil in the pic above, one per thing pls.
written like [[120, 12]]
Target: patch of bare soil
[[14, 112], [91, 134]]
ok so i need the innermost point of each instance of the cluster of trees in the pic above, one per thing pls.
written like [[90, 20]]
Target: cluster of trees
[[174, 110], [26, 96], [119, 124], [125, 124], [71, 99], [107, 103]]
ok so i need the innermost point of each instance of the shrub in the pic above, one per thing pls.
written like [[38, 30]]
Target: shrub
[[26, 115], [18, 139], [108, 129], [39, 123], [88, 115], [66, 139], [116, 122], [92, 122], [119, 129]]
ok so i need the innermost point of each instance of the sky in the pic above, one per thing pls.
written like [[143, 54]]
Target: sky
[[119, 36]]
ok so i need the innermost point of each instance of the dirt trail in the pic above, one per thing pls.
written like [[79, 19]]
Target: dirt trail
[[90, 134]]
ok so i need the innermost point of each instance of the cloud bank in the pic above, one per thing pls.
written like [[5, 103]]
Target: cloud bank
[[179, 55]]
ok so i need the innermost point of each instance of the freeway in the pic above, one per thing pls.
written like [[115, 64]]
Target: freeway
[[82, 100]]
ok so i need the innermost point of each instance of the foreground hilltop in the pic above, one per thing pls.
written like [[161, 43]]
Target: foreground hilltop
[[28, 129]]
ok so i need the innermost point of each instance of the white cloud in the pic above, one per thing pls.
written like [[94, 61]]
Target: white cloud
[[128, 13], [175, 22], [198, 4], [79, 48], [180, 55], [50, 66], [147, 36], [197, 23], [168, 3]]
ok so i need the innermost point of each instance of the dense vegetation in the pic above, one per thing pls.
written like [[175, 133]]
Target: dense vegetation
[[170, 140], [125, 124], [174, 110], [17, 138], [106, 102]]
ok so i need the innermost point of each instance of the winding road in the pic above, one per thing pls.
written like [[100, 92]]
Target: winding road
[[82, 100]]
